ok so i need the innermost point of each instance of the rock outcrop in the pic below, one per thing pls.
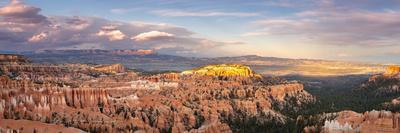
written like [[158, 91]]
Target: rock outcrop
[[384, 84], [223, 70], [369, 122], [25, 126]]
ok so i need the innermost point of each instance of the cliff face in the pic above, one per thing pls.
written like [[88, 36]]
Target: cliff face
[[170, 102], [373, 121], [29, 98]]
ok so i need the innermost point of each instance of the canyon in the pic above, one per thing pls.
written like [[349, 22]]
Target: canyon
[[379, 86], [76, 97], [109, 98]]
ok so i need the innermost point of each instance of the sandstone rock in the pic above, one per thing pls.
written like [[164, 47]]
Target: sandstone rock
[[373, 121], [127, 102], [25, 126], [223, 70]]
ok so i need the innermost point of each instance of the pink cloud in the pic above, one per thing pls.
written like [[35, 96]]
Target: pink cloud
[[111, 32], [336, 27], [21, 25], [19, 12], [151, 35]]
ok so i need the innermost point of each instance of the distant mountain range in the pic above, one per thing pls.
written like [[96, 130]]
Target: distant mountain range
[[148, 60]]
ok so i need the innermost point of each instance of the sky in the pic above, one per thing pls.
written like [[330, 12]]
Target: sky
[[356, 30]]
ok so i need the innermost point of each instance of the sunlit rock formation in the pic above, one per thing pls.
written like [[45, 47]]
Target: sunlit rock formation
[[392, 70], [223, 70], [369, 122]]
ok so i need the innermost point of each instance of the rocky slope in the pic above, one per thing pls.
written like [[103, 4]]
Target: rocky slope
[[380, 91], [368, 122], [26, 126], [387, 83], [74, 95]]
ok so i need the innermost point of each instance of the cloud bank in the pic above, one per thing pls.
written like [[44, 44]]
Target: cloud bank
[[336, 23], [23, 28], [151, 35]]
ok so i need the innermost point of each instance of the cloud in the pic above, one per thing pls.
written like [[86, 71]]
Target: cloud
[[335, 25], [179, 13], [151, 35], [111, 33], [22, 28], [18, 12], [287, 3], [76, 23], [38, 37]]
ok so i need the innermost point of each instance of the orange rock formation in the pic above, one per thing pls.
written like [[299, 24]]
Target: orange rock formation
[[369, 122], [127, 102]]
